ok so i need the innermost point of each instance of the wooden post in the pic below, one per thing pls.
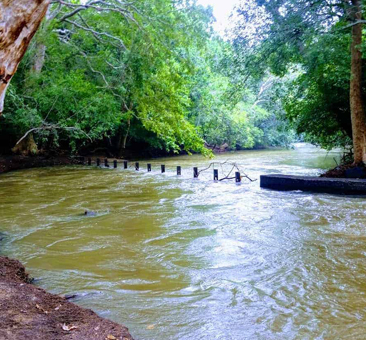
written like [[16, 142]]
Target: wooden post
[[125, 164], [179, 170], [115, 164], [98, 162], [162, 168], [89, 161], [106, 164], [216, 174], [237, 177], [148, 167], [195, 172], [137, 166]]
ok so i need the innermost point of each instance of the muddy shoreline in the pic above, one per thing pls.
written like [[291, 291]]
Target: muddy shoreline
[[29, 312]]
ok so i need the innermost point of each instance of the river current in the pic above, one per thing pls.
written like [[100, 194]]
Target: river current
[[181, 258]]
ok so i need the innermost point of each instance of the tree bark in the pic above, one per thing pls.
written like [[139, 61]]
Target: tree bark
[[357, 110], [19, 21], [126, 135], [27, 147], [39, 58], [40, 55]]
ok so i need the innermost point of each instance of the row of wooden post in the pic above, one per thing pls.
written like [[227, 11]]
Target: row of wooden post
[[179, 169]]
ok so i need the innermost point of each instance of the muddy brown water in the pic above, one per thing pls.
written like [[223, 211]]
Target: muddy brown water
[[182, 258]]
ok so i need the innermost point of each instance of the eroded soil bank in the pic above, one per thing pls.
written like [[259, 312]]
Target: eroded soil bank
[[347, 171], [29, 312]]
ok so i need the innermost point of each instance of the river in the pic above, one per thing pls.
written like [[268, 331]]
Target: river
[[181, 258]]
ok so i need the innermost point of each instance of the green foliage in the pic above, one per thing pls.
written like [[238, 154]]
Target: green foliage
[[243, 116], [317, 101], [308, 46], [161, 77]]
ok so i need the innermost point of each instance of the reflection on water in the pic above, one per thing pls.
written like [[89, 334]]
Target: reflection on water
[[194, 258]]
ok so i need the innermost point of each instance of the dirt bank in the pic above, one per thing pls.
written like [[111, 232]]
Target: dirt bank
[[347, 171], [28, 312]]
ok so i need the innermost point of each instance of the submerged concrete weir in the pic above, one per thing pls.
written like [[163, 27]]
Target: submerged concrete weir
[[346, 186]]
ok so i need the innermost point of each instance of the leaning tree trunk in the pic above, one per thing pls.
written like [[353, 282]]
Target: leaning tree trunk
[[357, 110], [19, 21]]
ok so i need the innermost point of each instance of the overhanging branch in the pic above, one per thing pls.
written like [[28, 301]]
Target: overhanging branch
[[96, 33]]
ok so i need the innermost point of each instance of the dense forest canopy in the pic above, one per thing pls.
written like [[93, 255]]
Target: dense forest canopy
[[150, 73], [318, 46], [153, 74]]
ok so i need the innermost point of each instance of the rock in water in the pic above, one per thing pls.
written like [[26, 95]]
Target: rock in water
[[90, 213]]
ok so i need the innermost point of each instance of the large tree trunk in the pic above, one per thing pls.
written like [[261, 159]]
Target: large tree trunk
[[357, 110], [19, 21]]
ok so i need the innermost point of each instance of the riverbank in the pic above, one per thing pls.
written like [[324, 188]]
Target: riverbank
[[16, 162], [29, 312]]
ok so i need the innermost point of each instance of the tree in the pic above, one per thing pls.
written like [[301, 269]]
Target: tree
[[294, 29], [356, 102], [106, 74], [230, 113], [316, 97], [113, 80], [19, 21]]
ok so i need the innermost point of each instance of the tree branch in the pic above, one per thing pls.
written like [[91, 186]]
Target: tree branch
[[46, 126], [97, 33]]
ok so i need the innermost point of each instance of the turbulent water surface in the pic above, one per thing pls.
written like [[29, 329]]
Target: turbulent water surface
[[182, 258]]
